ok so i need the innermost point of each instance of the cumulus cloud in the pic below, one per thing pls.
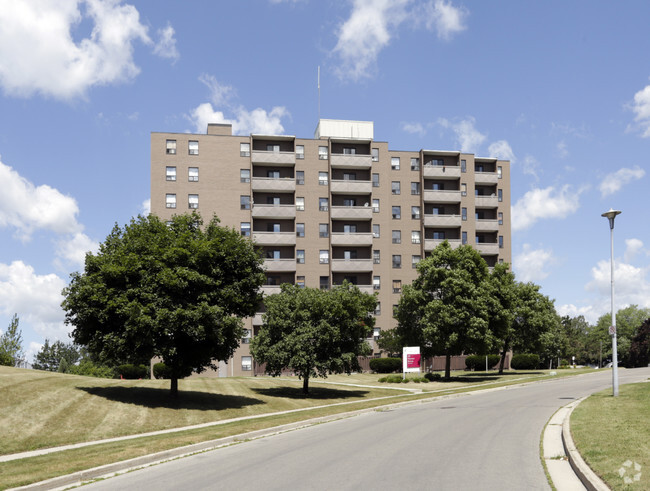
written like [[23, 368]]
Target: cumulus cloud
[[166, 45], [414, 128], [374, 23], [632, 284], [615, 181], [529, 166], [26, 207], [501, 150], [47, 60], [35, 298], [641, 109], [72, 251], [145, 207], [531, 264], [632, 248], [590, 313], [540, 204], [467, 136]]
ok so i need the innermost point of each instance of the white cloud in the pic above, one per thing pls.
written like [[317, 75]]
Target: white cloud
[[32, 350], [615, 181], [631, 284], [26, 207], [501, 150], [72, 251], [529, 265], [220, 94], [39, 55], [632, 248], [590, 313], [562, 149], [539, 204], [145, 207], [468, 138], [166, 45], [641, 107], [530, 165], [35, 298], [414, 128], [373, 23]]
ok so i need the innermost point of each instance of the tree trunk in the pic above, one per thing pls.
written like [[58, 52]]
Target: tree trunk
[[506, 348], [447, 366], [173, 389], [305, 385]]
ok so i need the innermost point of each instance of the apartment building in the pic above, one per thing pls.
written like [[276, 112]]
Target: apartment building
[[340, 206]]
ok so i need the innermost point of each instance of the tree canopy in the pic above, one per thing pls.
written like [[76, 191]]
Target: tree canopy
[[56, 356], [314, 332], [11, 344], [174, 290]]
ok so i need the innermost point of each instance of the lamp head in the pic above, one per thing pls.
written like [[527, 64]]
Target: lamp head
[[610, 215]]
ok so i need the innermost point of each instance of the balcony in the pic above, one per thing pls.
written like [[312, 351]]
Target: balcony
[[274, 238], [350, 187], [257, 319], [487, 248], [486, 177], [271, 289], [441, 171], [351, 265], [486, 201], [442, 220], [431, 196], [350, 161], [274, 158], [274, 211], [431, 244], [483, 225], [364, 288], [280, 265], [273, 185], [351, 239], [351, 212]]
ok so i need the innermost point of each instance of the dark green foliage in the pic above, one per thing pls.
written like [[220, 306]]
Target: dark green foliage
[[160, 370], [177, 291], [640, 347], [477, 362], [314, 332], [132, 372], [432, 376], [11, 344], [90, 369], [390, 342], [525, 361], [56, 357], [386, 365]]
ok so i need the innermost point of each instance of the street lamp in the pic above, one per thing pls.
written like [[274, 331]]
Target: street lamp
[[610, 215]]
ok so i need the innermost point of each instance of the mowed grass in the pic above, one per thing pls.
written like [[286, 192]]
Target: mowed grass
[[612, 431]]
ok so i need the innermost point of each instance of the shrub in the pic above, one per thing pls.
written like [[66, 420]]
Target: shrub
[[160, 370], [432, 376], [386, 365], [525, 361], [477, 362], [131, 372], [383, 380], [393, 379], [89, 369]]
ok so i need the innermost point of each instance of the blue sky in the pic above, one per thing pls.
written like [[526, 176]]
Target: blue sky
[[562, 89]]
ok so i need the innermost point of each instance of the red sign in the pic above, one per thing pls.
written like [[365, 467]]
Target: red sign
[[413, 360]]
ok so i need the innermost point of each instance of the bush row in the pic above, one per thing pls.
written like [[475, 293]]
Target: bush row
[[386, 365], [525, 361], [397, 379]]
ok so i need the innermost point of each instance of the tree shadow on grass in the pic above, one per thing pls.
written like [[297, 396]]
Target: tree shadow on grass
[[160, 398], [314, 393]]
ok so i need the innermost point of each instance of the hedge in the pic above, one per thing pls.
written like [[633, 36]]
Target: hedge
[[525, 361], [477, 362], [386, 365], [132, 372], [160, 370]]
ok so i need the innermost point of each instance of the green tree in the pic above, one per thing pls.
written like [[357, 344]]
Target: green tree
[[52, 356], [11, 344], [176, 290], [628, 321], [390, 342], [640, 346], [314, 332], [444, 311]]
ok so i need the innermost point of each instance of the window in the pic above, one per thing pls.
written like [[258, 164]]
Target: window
[[394, 163], [464, 240], [438, 235], [323, 204], [244, 149], [463, 213], [375, 206], [499, 171], [324, 230], [463, 189], [349, 228], [438, 186], [300, 229], [397, 261], [500, 241], [272, 227], [416, 238], [463, 165], [376, 282], [170, 173], [397, 236], [246, 363], [436, 162], [300, 204], [378, 308], [349, 202], [397, 212], [500, 261], [170, 200], [375, 230], [415, 188], [500, 194], [395, 187], [324, 282], [273, 254], [300, 256], [351, 254], [273, 174], [300, 281], [376, 256], [245, 229], [300, 152], [245, 175], [375, 154], [300, 177], [415, 212], [415, 163], [246, 339], [500, 218], [193, 174], [171, 147], [245, 202], [322, 153], [193, 147], [397, 286], [322, 178], [375, 180], [415, 260], [272, 147], [376, 332], [350, 176], [349, 151], [478, 168]]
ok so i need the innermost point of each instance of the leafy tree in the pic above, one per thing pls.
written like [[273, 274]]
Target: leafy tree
[[176, 290], [628, 321], [390, 342], [640, 346], [11, 344], [314, 332], [56, 357], [444, 311]]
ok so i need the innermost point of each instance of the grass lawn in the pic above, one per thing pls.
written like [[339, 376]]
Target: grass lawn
[[611, 432]]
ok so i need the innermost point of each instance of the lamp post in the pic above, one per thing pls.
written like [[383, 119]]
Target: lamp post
[[610, 215]]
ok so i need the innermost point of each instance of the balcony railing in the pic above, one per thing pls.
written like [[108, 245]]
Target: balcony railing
[[274, 211], [350, 187], [274, 238], [351, 239], [431, 244], [442, 220], [433, 196], [271, 289], [350, 161], [276, 158], [269, 184], [280, 265], [352, 212], [486, 177], [490, 248], [257, 319], [441, 171], [345, 265], [487, 201], [364, 288], [487, 225]]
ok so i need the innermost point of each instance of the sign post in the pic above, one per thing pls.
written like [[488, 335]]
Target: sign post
[[410, 359]]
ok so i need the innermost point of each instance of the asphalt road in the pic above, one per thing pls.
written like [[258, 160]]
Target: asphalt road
[[486, 441]]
